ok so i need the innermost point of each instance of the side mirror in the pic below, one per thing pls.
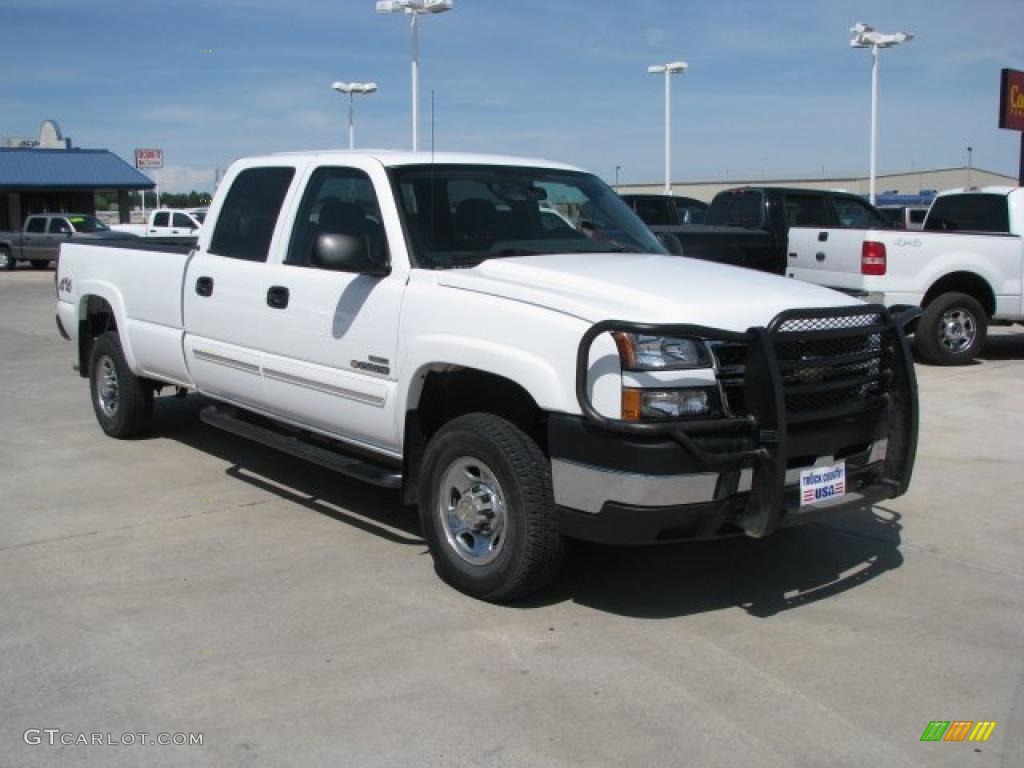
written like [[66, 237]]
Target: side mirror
[[672, 243], [346, 253]]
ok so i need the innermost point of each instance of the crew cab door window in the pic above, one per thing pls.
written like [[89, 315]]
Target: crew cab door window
[[36, 225], [59, 227], [654, 212], [183, 221], [161, 219], [736, 208], [337, 201], [856, 214], [249, 215], [969, 213], [806, 211]]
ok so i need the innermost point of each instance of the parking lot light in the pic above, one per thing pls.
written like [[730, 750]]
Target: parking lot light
[[351, 89], [867, 37], [672, 68], [414, 9]]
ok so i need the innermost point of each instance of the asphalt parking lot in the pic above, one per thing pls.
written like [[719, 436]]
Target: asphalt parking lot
[[191, 582]]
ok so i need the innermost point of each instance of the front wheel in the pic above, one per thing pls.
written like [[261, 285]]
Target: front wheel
[[123, 402], [952, 330], [6, 260], [487, 509]]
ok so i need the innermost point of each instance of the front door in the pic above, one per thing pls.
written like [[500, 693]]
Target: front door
[[329, 337]]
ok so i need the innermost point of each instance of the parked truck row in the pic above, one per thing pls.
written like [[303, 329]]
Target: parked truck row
[[505, 343]]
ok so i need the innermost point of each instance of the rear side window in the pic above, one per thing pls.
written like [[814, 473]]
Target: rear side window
[[917, 215], [160, 219], [249, 214], [36, 224], [856, 214], [653, 212], [805, 211], [736, 208], [970, 213]]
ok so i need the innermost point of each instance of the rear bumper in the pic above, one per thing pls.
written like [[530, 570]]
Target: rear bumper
[[639, 483]]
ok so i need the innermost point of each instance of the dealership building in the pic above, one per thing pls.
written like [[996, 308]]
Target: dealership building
[[47, 174], [903, 183]]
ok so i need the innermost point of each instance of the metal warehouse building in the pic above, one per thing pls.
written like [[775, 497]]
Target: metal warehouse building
[[905, 183], [49, 175]]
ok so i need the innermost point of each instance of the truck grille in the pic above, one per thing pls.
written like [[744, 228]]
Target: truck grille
[[831, 366]]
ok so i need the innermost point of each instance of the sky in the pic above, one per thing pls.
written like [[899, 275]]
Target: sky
[[773, 87]]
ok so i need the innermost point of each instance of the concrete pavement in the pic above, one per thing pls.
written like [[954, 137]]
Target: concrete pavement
[[191, 582]]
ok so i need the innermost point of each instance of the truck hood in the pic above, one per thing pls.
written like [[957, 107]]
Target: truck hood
[[643, 288]]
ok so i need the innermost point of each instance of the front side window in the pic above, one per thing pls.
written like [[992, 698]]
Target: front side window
[[83, 223], [249, 214], [337, 201], [969, 213], [691, 211], [856, 214], [59, 227], [36, 225], [653, 212], [461, 215], [183, 221]]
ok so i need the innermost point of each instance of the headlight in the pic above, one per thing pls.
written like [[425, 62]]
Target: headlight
[[691, 402], [660, 353]]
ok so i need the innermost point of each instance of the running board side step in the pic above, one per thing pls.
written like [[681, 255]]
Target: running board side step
[[294, 446]]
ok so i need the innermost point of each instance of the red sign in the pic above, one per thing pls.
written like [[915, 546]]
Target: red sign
[[149, 158], [1011, 100]]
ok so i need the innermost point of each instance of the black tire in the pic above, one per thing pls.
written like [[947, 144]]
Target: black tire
[[952, 330], [7, 261], [40, 263], [527, 550], [128, 411]]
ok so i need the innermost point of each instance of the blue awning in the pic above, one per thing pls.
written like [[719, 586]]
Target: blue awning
[[67, 169]]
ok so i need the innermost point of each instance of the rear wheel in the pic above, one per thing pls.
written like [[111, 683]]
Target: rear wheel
[[952, 330], [6, 260], [123, 402], [487, 509]]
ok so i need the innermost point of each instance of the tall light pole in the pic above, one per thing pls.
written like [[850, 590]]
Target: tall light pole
[[617, 169], [672, 68], [970, 165], [351, 89], [866, 37], [414, 8]]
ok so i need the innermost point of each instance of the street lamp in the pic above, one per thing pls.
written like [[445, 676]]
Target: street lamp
[[617, 169], [414, 8], [351, 89], [866, 37], [970, 165], [672, 68]]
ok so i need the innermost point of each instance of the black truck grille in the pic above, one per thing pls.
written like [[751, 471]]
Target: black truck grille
[[830, 365]]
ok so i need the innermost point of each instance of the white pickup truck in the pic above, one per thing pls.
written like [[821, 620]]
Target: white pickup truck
[[167, 225], [413, 320], [964, 270]]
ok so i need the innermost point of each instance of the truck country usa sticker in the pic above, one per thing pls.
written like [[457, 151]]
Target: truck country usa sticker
[[822, 483]]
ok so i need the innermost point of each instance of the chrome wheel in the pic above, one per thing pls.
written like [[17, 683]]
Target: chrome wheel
[[5, 259], [957, 330], [108, 389], [471, 507]]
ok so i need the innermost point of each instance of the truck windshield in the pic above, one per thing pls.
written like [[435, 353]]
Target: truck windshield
[[461, 215], [87, 223]]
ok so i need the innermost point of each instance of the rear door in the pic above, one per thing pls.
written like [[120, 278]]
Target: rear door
[[160, 225], [33, 238], [225, 287], [831, 255], [330, 338]]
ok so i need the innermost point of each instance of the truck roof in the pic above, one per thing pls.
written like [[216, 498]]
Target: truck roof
[[397, 157]]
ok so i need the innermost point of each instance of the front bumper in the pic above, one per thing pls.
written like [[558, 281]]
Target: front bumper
[[635, 483]]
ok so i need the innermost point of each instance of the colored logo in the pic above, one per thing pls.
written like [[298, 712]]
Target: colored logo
[[958, 730]]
